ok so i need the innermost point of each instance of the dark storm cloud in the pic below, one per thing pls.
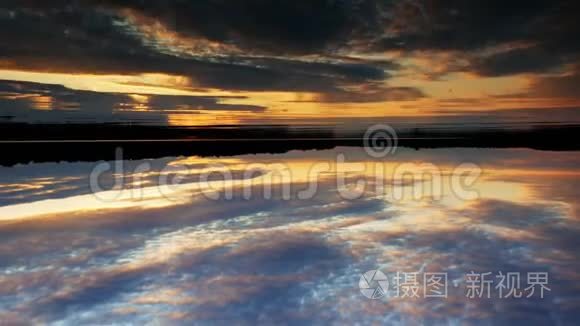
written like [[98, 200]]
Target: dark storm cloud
[[88, 36], [286, 26], [43, 102], [321, 26], [527, 60], [549, 29], [82, 37], [468, 25], [316, 26]]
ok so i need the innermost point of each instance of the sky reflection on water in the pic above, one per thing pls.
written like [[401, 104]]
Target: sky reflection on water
[[66, 256]]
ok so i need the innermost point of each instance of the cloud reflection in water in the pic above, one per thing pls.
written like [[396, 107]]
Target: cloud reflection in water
[[277, 261]]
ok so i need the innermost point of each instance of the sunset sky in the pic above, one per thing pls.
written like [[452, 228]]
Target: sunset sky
[[210, 62], [259, 162]]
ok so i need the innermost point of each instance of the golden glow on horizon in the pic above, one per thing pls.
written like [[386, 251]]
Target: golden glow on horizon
[[141, 102], [458, 92], [43, 103], [154, 84]]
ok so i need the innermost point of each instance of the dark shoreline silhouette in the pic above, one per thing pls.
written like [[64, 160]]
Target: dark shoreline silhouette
[[27, 143]]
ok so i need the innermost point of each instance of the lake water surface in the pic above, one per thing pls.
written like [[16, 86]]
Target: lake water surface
[[286, 238]]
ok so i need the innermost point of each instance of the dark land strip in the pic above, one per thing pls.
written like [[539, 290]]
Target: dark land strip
[[26, 143]]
